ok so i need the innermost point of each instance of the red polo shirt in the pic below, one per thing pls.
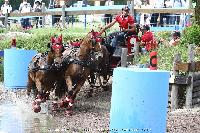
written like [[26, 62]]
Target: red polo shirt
[[124, 22], [149, 41]]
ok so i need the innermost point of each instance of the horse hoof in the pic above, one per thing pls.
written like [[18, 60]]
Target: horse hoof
[[68, 112], [38, 101], [64, 104], [34, 103], [36, 108], [54, 106], [38, 97]]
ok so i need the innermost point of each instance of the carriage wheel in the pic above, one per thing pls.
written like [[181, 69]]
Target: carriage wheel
[[94, 80]]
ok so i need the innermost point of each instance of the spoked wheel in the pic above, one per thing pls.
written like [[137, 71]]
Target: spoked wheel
[[95, 80]]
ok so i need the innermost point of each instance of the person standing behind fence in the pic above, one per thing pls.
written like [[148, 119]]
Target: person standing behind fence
[[145, 17], [137, 4], [167, 4], [6, 8], [25, 7], [175, 19], [108, 17], [155, 17], [56, 18], [37, 7]]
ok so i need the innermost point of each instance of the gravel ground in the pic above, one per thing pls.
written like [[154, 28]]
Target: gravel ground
[[92, 115]]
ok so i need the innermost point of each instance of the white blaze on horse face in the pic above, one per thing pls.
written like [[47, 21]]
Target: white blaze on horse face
[[58, 52], [58, 60]]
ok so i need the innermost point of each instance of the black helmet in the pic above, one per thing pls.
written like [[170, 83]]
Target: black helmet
[[145, 27], [38, 1], [125, 8], [177, 33]]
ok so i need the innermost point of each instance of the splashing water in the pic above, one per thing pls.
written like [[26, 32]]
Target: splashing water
[[17, 116]]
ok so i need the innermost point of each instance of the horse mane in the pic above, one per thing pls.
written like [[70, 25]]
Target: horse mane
[[85, 46]]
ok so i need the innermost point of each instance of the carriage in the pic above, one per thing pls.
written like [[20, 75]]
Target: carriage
[[92, 63]]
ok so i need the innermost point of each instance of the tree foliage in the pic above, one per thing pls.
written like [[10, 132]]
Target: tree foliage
[[197, 12]]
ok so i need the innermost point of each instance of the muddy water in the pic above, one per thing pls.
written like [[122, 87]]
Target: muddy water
[[17, 116]]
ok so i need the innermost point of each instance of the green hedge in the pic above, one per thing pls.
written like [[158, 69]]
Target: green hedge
[[39, 38]]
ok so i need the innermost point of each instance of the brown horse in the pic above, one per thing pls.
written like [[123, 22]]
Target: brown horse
[[102, 72], [79, 68], [43, 73]]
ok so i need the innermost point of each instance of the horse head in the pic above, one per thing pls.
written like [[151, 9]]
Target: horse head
[[91, 44], [56, 50]]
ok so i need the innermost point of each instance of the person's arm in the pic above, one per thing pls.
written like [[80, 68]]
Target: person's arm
[[10, 8], [20, 7], [107, 26], [2, 8]]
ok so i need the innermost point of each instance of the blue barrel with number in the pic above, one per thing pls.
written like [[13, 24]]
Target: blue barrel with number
[[139, 100], [16, 67]]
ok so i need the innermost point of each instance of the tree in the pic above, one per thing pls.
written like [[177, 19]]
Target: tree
[[197, 12]]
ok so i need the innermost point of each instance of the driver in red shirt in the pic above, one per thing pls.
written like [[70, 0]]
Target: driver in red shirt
[[126, 25]]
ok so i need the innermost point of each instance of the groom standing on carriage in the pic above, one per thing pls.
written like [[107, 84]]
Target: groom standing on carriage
[[127, 28]]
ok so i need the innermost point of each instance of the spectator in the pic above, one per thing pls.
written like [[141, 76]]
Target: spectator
[[147, 39], [25, 7], [37, 7], [155, 16], [175, 19], [167, 16], [145, 17], [56, 18], [137, 4], [175, 38], [108, 17], [5, 8]]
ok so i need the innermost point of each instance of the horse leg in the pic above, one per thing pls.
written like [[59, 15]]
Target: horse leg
[[92, 85], [76, 90], [38, 98], [40, 87], [60, 88], [30, 83], [105, 82], [69, 85]]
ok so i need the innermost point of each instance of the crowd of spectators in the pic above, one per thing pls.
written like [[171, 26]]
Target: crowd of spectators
[[154, 19], [161, 19], [24, 7]]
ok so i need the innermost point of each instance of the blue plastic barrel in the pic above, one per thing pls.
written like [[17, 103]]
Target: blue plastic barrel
[[1, 53], [16, 67], [1, 56], [139, 100]]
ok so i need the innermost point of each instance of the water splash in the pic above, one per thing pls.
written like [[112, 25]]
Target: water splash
[[16, 114]]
